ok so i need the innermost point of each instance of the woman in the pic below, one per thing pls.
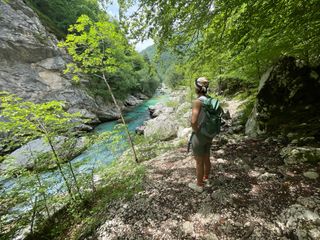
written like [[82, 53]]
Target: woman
[[200, 143]]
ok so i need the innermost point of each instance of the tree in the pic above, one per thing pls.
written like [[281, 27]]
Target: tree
[[46, 120], [99, 49], [232, 38]]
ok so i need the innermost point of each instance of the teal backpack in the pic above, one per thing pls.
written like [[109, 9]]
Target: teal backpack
[[211, 123]]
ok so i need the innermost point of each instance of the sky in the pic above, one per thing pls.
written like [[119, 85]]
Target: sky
[[113, 10]]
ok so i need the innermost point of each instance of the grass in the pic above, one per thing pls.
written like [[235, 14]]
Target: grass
[[80, 219]]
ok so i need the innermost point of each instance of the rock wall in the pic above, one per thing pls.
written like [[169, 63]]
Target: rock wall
[[31, 64], [287, 101]]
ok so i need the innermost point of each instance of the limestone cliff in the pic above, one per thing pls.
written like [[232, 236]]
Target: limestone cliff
[[31, 64]]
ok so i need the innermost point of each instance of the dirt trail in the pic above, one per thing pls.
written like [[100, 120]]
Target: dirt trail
[[252, 196]]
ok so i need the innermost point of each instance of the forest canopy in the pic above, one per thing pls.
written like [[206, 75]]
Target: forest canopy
[[231, 39]]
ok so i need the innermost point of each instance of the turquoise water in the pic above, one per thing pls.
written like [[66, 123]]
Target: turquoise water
[[95, 156]]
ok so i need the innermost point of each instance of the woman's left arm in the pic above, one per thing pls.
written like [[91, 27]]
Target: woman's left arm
[[195, 115]]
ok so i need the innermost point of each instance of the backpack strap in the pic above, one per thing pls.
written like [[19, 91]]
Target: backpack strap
[[216, 105]]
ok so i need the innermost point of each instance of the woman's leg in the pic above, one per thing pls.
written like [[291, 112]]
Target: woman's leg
[[207, 166], [200, 169]]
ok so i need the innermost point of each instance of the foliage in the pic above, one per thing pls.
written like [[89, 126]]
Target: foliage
[[231, 39], [59, 14], [120, 180], [46, 120], [28, 120], [99, 48]]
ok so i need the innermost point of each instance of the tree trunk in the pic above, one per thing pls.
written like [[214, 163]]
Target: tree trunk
[[43, 195], [123, 121], [74, 178], [59, 166], [33, 217]]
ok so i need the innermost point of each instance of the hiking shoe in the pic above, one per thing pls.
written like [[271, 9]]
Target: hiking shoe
[[195, 187]]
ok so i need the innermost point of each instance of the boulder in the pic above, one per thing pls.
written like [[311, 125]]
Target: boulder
[[25, 156], [132, 101], [141, 96], [184, 133], [287, 100], [163, 127], [140, 130], [158, 109], [296, 155]]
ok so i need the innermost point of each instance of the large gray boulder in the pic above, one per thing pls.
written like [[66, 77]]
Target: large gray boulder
[[31, 64], [163, 127], [132, 101], [287, 100], [39, 151], [160, 108]]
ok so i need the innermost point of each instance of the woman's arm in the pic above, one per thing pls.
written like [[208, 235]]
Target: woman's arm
[[195, 115]]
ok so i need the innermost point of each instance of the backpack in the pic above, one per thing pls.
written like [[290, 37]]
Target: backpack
[[211, 124]]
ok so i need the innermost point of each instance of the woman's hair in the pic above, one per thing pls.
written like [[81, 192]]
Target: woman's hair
[[201, 85]]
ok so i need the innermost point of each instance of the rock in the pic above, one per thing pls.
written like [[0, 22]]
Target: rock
[[296, 221], [83, 127], [314, 233], [183, 108], [311, 175], [31, 64], [184, 120], [25, 156], [85, 114], [267, 176], [287, 100], [158, 109], [163, 127], [226, 115], [311, 202], [184, 133], [252, 128], [140, 130], [141, 96], [132, 101], [54, 63], [236, 129], [295, 155], [188, 227]]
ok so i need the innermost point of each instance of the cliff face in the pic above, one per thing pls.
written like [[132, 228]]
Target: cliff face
[[31, 64]]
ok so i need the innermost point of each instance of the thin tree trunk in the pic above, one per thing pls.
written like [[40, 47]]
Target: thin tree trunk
[[74, 178], [56, 158], [59, 166], [39, 183], [123, 121], [34, 210], [43, 195]]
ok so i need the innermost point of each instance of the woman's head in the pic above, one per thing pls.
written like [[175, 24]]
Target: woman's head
[[201, 85]]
